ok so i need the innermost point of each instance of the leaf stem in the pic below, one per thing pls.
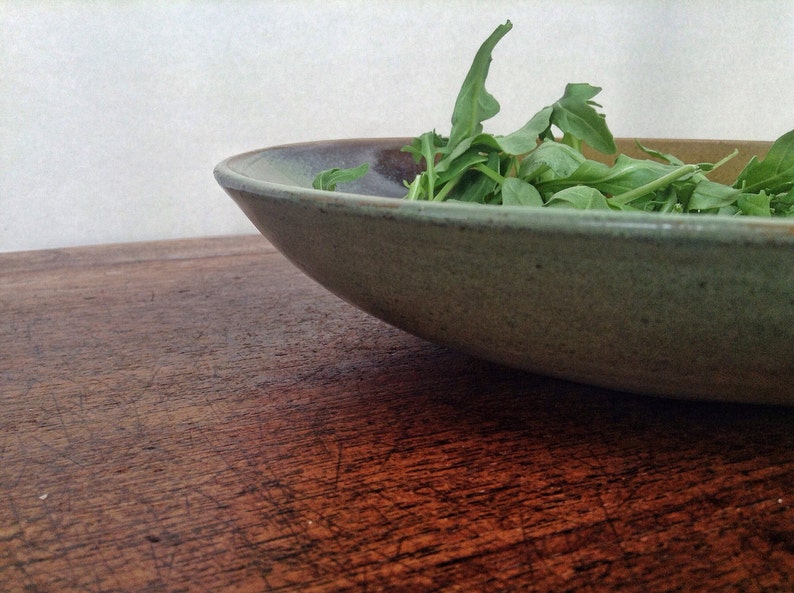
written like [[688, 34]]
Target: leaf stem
[[490, 173], [652, 186], [449, 186]]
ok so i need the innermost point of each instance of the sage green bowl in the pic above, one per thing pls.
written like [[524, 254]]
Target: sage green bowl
[[687, 306]]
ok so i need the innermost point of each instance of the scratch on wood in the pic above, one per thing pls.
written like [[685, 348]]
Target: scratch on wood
[[338, 467]]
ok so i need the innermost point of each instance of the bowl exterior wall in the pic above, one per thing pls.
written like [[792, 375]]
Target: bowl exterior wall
[[648, 316], [624, 303]]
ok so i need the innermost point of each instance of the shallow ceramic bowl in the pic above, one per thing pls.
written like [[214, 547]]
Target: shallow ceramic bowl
[[689, 306]]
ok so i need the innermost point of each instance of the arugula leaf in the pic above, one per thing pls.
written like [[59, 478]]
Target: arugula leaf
[[575, 115], [783, 204], [625, 175], [710, 195], [424, 147], [525, 139], [458, 166], [328, 179], [554, 158], [475, 104], [580, 197], [673, 174], [479, 183], [516, 192], [755, 204], [775, 173], [667, 158]]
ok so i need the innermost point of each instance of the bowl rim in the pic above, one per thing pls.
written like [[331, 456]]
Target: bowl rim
[[702, 227]]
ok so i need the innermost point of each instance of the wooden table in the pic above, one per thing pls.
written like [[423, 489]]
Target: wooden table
[[199, 416]]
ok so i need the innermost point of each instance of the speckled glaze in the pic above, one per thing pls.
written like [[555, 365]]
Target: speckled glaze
[[686, 306]]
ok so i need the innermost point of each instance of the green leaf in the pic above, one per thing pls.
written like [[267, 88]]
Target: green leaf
[[625, 175], [560, 160], [642, 190], [476, 186], [783, 204], [710, 195], [525, 139], [667, 158], [415, 148], [774, 174], [575, 115], [460, 165], [755, 204], [480, 142], [425, 148], [328, 179], [474, 103], [580, 197], [516, 192]]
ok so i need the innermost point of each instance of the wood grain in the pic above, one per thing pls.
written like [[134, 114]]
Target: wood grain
[[199, 416]]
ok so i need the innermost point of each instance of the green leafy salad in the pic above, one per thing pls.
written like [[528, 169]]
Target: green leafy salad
[[542, 163]]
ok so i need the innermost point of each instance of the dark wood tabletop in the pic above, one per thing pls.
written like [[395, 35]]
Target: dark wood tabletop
[[197, 415]]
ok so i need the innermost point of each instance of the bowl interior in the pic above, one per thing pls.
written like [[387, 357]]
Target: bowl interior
[[297, 165]]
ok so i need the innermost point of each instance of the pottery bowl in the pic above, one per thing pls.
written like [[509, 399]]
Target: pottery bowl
[[687, 306]]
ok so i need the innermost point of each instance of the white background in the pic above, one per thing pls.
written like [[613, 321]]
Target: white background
[[113, 114]]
